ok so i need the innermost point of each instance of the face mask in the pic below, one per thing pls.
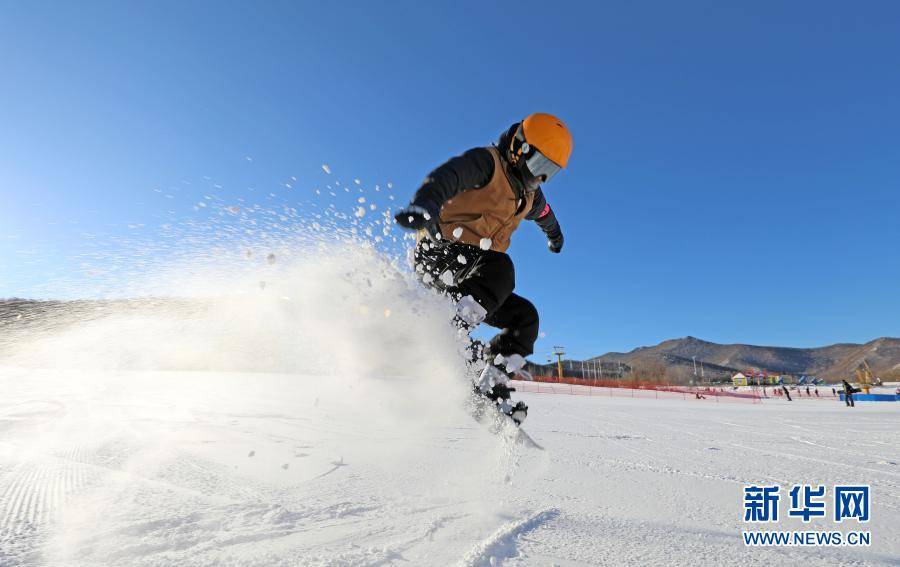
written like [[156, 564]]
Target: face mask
[[531, 182]]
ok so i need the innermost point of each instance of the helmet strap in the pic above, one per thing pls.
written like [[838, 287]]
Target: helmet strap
[[518, 147]]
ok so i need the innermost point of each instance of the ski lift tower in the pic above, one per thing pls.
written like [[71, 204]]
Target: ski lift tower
[[865, 377], [559, 352]]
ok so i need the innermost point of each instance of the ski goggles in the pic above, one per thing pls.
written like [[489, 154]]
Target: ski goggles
[[540, 166]]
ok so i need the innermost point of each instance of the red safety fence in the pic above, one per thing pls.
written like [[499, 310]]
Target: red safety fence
[[632, 389]]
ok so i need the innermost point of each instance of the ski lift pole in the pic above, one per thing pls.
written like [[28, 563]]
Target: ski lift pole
[[559, 352]]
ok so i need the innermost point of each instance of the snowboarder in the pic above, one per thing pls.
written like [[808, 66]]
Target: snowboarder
[[464, 214], [848, 394]]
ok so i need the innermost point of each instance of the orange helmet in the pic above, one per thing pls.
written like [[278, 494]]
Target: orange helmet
[[548, 135], [538, 147]]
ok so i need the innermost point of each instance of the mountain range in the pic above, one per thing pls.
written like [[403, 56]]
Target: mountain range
[[832, 362]]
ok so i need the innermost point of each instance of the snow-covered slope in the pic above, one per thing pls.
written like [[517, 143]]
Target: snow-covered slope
[[212, 468]]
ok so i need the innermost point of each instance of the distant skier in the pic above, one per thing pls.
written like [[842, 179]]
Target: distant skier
[[465, 213], [848, 394], [786, 393]]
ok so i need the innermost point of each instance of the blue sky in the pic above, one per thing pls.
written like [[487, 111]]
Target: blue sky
[[736, 172]]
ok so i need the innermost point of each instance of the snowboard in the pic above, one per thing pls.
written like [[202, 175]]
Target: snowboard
[[486, 413]]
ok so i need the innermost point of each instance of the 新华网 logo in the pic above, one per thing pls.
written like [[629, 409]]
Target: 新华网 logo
[[762, 505]]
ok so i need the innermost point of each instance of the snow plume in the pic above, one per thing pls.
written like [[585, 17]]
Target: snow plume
[[280, 285], [337, 308], [340, 310]]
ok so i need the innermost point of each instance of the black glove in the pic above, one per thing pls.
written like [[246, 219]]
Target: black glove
[[555, 244], [418, 217]]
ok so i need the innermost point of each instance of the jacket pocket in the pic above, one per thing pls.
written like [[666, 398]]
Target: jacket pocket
[[479, 224], [463, 218]]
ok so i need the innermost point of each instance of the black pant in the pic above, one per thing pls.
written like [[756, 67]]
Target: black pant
[[489, 277]]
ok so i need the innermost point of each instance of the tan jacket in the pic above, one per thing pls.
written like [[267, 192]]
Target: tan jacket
[[491, 212]]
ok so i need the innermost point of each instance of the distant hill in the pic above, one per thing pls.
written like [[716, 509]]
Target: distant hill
[[831, 362], [674, 360]]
